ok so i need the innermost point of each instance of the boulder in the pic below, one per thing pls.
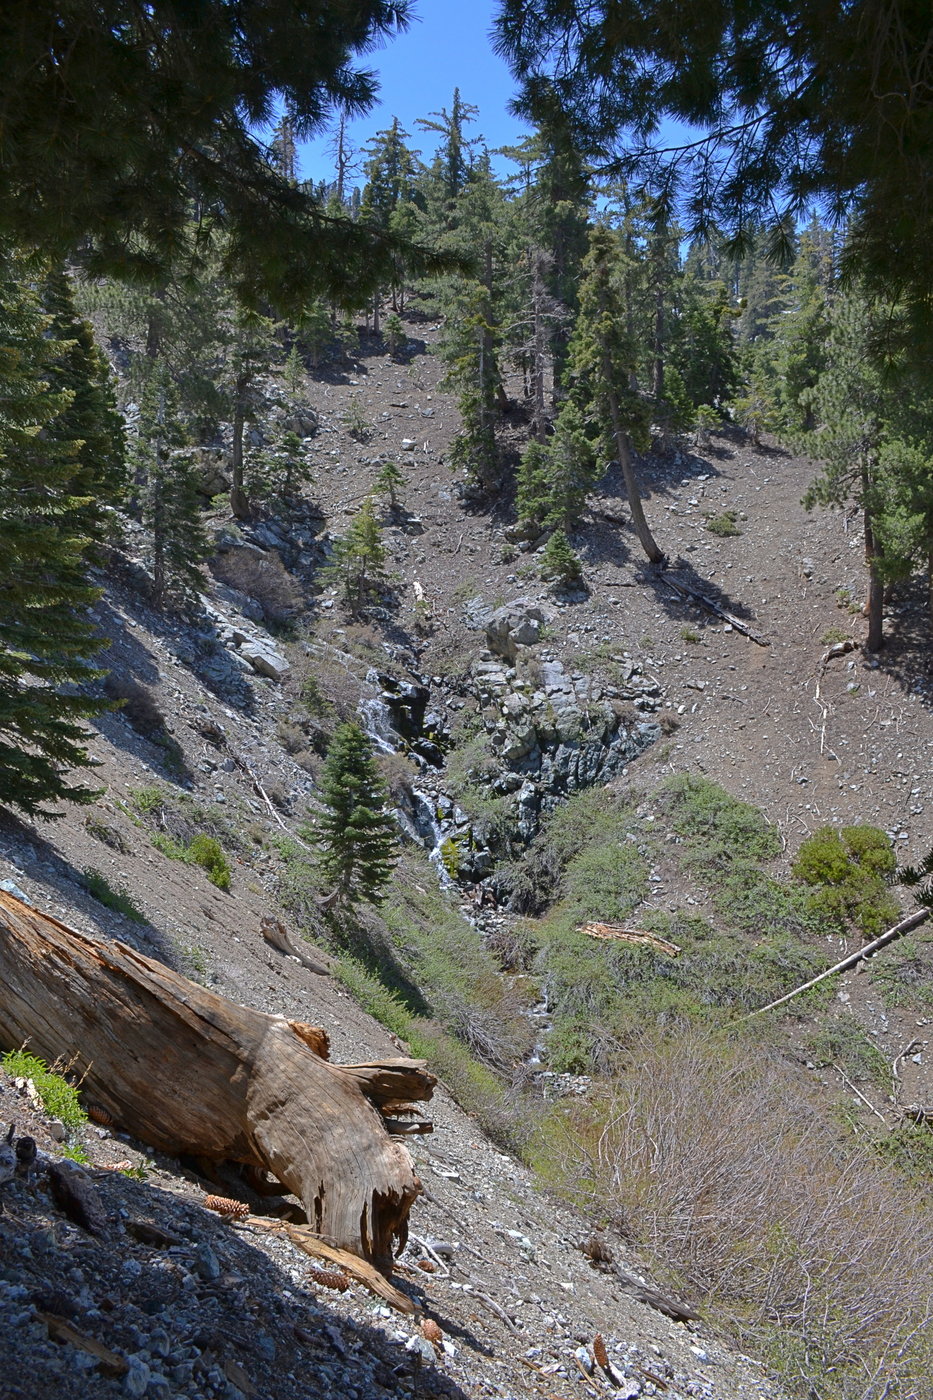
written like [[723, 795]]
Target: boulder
[[518, 624], [265, 660]]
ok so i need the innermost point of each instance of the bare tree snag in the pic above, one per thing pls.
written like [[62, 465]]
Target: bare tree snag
[[190, 1072]]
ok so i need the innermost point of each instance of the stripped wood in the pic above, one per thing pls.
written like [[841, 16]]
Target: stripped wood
[[632, 935]]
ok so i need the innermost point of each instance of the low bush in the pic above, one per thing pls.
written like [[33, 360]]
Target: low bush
[[202, 850], [846, 871], [208, 853], [741, 1192], [59, 1098]]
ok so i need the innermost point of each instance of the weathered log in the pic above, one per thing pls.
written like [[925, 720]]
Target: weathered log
[[632, 935], [188, 1071]]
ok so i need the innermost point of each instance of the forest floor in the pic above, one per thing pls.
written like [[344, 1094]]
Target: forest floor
[[808, 738]]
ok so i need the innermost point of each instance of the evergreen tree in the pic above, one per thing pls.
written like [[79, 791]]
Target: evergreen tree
[[47, 643], [91, 417], [169, 502], [358, 564], [389, 482], [602, 363], [356, 832], [125, 114]]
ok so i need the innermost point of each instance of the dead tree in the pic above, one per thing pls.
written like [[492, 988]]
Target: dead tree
[[190, 1072]]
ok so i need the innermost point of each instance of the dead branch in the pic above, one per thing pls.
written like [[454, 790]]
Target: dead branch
[[912, 921]]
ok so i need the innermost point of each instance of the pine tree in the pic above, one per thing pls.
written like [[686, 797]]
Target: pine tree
[[91, 417], [359, 558], [603, 358], [389, 482], [169, 502], [47, 643], [357, 834]]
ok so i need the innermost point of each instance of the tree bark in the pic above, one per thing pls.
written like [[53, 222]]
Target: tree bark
[[190, 1072], [624, 449], [874, 604], [239, 502]]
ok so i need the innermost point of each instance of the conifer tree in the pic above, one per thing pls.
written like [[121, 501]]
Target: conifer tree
[[169, 502], [389, 482], [359, 558], [47, 643], [602, 362], [91, 416], [356, 832]]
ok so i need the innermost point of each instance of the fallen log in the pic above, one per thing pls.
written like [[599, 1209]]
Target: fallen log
[[632, 935], [190, 1072]]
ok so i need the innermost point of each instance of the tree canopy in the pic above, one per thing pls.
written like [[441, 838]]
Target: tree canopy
[[780, 105], [122, 120]]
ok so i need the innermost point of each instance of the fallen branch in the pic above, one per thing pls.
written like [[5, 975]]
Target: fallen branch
[[631, 935], [686, 591], [311, 1244], [912, 921], [192, 1073]]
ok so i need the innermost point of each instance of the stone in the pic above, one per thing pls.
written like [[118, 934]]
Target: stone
[[517, 624], [408, 444], [136, 1380], [265, 661], [10, 887]]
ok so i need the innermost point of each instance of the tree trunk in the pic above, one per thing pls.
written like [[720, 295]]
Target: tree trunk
[[624, 450], [539, 420], [190, 1072], [239, 502], [874, 603]]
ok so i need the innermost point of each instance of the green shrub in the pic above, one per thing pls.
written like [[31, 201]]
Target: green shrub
[[203, 850], [59, 1098], [723, 525], [717, 827], [846, 871], [208, 853], [113, 897], [606, 882], [147, 799]]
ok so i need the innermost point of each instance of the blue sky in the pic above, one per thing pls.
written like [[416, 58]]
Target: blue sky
[[446, 46]]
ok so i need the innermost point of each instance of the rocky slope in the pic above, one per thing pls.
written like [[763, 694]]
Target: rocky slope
[[626, 682]]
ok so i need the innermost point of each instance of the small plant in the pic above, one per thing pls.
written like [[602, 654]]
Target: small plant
[[208, 853], [147, 799], [723, 525], [137, 1173], [75, 1152], [687, 634], [113, 897], [356, 423], [559, 563], [59, 1098], [450, 857], [846, 601], [832, 635]]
